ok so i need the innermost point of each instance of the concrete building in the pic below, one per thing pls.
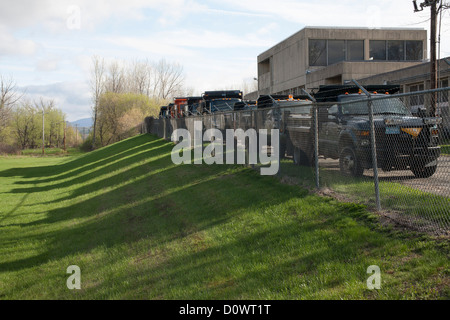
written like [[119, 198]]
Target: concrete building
[[411, 79], [316, 56], [417, 78]]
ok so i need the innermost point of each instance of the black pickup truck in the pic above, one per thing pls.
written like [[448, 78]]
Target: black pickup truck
[[403, 141]]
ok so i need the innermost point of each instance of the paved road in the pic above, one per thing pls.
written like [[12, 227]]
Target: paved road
[[438, 184]]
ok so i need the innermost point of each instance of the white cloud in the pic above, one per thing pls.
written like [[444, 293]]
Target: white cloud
[[73, 98], [149, 46], [48, 64], [217, 42], [10, 45], [54, 15]]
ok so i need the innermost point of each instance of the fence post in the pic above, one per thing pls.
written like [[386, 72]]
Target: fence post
[[373, 145], [316, 136], [316, 143]]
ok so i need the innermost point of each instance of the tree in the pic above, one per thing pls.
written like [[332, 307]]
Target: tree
[[97, 86], [169, 79], [8, 98], [120, 113], [115, 79], [140, 77], [26, 124]]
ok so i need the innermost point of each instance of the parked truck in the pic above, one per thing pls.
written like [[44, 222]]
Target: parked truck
[[403, 141], [194, 106], [221, 101], [291, 115]]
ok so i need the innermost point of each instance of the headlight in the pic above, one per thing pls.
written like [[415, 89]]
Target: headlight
[[392, 121]]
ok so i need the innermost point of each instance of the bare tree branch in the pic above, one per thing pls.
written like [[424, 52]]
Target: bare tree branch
[[97, 88], [8, 98]]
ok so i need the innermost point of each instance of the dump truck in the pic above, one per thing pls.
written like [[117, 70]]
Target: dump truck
[[194, 106], [288, 114], [163, 112], [221, 101]]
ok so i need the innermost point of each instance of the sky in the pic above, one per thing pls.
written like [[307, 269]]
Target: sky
[[46, 46]]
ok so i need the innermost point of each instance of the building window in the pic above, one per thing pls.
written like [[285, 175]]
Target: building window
[[396, 50], [355, 50], [336, 51], [416, 100], [378, 50], [317, 52], [414, 50], [327, 52], [443, 95]]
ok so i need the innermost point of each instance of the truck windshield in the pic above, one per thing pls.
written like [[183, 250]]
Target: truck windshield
[[357, 105], [223, 105]]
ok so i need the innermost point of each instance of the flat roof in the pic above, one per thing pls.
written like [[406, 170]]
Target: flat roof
[[362, 28]]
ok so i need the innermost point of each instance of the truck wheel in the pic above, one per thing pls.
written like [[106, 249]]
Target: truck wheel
[[423, 172], [282, 150], [300, 158], [349, 163]]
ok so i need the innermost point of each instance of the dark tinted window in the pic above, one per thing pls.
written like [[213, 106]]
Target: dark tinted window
[[336, 51], [378, 49], [317, 52], [355, 50], [396, 51], [414, 50]]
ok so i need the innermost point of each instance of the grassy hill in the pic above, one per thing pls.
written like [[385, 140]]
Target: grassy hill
[[140, 227]]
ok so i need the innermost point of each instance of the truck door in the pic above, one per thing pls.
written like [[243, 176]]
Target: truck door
[[329, 131], [334, 130]]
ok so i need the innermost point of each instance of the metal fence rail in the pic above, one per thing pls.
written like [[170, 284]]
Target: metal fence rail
[[333, 147]]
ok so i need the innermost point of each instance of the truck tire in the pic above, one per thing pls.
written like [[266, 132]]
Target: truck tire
[[422, 171], [300, 157], [282, 150], [349, 164]]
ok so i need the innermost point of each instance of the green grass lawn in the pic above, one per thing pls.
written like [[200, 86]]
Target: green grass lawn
[[419, 207], [140, 227], [50, 152]]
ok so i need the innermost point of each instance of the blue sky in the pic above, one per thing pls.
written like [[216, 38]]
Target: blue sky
[[47, 45]]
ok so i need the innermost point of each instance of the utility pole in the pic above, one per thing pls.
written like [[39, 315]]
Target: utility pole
[[65, 135], [76, 134], [433, 59], [433, 79]]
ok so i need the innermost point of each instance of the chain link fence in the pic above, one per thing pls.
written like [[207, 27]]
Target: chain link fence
[[378, 149]]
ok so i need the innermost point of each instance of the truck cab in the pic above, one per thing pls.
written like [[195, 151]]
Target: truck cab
[[286, 113], [163, 112], [180, 106], [193, 106]]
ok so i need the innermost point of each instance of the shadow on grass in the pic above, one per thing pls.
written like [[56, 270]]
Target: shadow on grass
[[120, 162], [252, 265], [87, 160], [77, 170], [159, 201]]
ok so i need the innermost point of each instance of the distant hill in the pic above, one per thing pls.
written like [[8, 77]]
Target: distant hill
[[87, 123]]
